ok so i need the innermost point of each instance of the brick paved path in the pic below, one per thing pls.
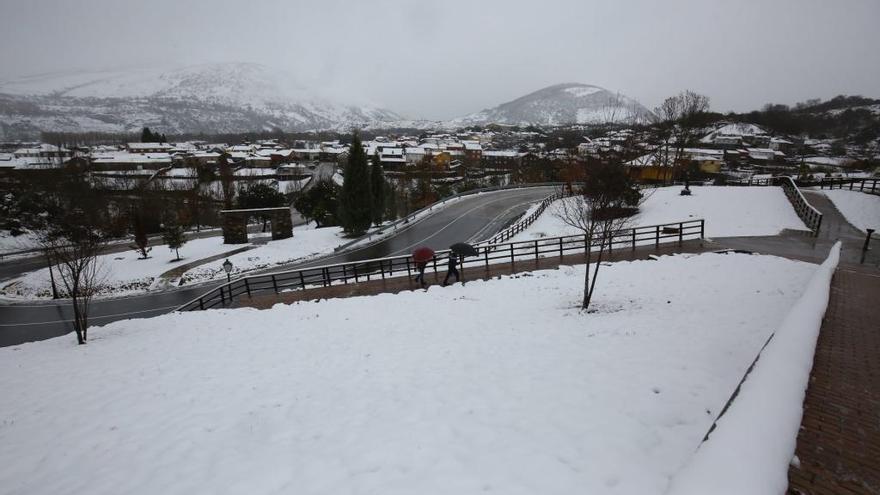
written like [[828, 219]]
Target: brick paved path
[[839, 442]]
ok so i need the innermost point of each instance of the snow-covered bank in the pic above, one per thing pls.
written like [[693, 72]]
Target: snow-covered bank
[[307, 242], [501, 385], [122, 273], [753, 444], [728, 211], [860, 209], [125, 273], [15, 243]]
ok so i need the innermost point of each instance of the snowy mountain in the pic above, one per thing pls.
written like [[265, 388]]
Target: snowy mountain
[[571, 103], [204, 98]]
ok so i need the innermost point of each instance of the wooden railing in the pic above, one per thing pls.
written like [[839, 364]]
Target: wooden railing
[[398, 266], [870, 186], [810, 215]]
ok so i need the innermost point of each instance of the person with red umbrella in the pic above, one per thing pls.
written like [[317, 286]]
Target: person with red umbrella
[[421, 257]]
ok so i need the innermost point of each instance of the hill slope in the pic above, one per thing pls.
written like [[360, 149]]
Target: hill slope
[[203, 98], [570, 103]]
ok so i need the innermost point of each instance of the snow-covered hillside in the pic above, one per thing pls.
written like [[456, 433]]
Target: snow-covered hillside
[[201, 98], [571, 103]]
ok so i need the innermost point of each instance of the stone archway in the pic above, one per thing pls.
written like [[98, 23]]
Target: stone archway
[[235, 223]]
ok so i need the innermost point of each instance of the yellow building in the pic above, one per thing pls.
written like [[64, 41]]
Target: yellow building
[[645, 168]]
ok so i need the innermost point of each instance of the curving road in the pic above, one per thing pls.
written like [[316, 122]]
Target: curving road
[[471, 218]]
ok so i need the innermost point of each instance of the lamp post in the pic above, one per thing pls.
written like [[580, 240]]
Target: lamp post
[[52, 276], [227, 267]]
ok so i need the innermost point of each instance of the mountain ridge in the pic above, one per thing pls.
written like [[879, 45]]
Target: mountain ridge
[[562, 104], [245, 97]]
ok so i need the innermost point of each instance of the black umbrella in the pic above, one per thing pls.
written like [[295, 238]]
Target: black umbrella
[[463, 249]]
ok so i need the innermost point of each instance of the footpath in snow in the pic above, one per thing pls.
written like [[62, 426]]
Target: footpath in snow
[[729, 211], [502, 386]]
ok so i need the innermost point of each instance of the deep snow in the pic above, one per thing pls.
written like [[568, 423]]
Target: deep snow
[[750, 450], [497, 386], [860, 209]]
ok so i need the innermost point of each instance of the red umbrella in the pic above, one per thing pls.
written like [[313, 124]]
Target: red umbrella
[[423, 254]]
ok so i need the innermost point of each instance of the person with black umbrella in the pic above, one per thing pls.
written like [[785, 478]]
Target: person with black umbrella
[[451, 268]]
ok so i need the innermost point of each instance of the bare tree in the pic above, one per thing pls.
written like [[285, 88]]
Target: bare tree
[[601, 210], [73, 234], [75, 256], [680, 118]]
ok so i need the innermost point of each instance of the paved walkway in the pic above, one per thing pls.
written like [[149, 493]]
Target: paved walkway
[[838, 446], [839, 442]]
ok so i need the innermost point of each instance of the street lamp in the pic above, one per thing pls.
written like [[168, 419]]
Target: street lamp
[[227, 267]]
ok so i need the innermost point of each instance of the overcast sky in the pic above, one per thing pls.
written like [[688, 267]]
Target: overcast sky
[[441, 59]]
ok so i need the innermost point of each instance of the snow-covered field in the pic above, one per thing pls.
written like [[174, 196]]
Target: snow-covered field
[[728, 211], [860, 209], [125, 274], [307, 241], [499, 386]]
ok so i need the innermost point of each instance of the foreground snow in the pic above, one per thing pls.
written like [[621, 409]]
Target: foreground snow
[[498, 386], [750, 450], [728, 211], [860, 209]]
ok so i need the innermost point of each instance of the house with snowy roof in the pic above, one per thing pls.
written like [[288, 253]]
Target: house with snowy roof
[[149, 147]]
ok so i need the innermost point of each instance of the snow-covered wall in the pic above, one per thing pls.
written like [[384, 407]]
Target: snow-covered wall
[[750, 449]]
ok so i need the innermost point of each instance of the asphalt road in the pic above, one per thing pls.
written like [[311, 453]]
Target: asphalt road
[[473, 218]]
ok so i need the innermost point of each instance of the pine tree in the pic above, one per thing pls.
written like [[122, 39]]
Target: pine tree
[[356, 199], [377, 188], [172, 235], [146, 135]]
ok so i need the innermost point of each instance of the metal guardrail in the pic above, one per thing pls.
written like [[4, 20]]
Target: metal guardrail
[[810, 215], [523, 223], [397, 266], [380, 232], [865, 185]]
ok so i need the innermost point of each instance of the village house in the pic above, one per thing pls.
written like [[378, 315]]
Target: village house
[[149, 147]]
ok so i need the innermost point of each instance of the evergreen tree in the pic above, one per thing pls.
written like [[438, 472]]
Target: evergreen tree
[[172, 235], [356, 199], [391, 202], [146, 135], [141, 241], [320, 203], [377, 188]]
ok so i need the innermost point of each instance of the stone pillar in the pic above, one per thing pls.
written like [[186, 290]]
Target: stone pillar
[[282, 225], [234, 228]]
